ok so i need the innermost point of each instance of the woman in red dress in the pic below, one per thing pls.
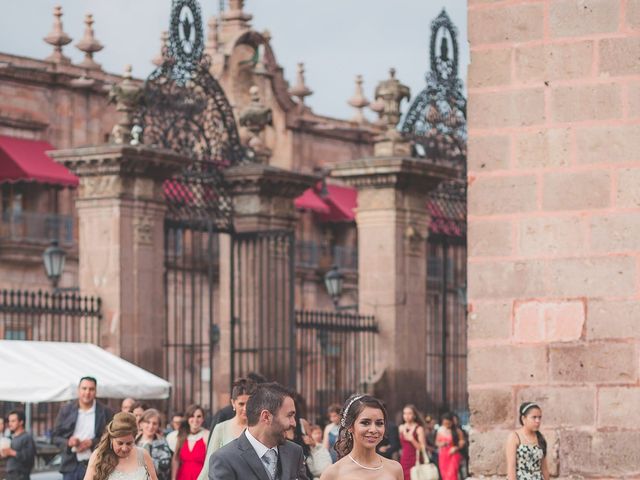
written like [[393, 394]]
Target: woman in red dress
[[449, 441], [191, 445], [412, 438]]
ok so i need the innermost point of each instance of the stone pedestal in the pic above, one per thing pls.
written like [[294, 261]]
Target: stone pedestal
[[121, 212], [392, 222]]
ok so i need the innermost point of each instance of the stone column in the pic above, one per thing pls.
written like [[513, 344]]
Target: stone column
[[392, 221], [121, 213]]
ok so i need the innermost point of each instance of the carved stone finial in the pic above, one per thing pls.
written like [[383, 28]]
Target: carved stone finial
[[359, 101], [89, 45], [235, 17], [58, 38], [255, 117], [391, 93], [160, 58], [212, 44], [300, 90], [126, 96]]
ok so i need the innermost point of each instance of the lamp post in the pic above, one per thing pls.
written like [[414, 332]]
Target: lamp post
[[333, 282], [54, 259]]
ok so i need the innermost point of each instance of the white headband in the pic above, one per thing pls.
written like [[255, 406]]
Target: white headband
[[526, 407], [343, 420]]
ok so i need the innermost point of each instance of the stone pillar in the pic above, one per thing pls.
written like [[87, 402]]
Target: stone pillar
[[392, 222], [121, 213]]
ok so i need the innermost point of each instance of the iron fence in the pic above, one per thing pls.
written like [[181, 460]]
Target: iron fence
[[336, 357], [44, 316], [52, 317]]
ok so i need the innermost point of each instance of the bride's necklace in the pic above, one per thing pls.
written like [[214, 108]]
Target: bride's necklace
[[364, 466]]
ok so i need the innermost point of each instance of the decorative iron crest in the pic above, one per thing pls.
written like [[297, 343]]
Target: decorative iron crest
[[436, 120], [185, 34], [437, 124], [443, 66], [184, 109]]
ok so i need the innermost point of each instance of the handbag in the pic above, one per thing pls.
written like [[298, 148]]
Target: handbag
[[423, 471]]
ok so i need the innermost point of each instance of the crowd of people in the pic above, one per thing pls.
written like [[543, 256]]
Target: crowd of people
[[262, 435]]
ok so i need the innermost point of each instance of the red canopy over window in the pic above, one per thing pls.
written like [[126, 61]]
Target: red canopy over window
[[336, 204], [24, 160]]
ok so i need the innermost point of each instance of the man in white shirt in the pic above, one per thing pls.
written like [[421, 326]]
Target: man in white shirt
[[78, 429], [262, 452]]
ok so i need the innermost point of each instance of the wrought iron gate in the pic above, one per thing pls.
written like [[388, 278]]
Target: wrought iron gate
[[263, 329], [336, 356], [183, 108], [446, 324], [191, 271]]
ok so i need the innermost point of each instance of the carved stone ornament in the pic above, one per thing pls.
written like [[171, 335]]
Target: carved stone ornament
[[390, 93], [126, 95], [143, 230], [255, 117], [100, 186]]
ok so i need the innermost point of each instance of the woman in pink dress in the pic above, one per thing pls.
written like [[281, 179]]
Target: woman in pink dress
[[449, 440], [191, 445], [412, 438]]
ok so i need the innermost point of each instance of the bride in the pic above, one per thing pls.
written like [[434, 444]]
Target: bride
[[362, 427]]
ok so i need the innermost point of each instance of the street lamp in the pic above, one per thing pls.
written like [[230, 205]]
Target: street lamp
[[54, 258], [333, 282]]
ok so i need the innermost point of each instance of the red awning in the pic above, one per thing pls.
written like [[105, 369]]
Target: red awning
[[337, 204], [24, 160], [310, 200]]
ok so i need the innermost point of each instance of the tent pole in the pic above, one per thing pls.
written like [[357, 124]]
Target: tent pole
[[27, 414]]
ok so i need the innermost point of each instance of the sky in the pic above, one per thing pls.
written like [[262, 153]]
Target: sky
[[336, 39]]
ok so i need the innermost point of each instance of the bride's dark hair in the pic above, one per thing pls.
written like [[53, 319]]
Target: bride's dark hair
[[353, 407]]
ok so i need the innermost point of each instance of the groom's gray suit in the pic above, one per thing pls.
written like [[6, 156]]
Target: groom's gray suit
[[239, 461]]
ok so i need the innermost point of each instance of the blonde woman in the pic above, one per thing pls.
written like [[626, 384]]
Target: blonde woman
[[116, 457]]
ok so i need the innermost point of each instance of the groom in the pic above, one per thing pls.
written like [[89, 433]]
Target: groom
[[262, 452]]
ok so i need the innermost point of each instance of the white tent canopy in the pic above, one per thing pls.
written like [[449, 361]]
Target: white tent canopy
[[34, 372]]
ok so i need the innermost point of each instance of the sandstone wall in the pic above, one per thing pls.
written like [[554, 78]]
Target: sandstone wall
[[554, 230]]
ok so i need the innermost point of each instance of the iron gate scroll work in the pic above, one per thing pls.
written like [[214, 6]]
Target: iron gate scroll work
[[436, 122], [184, 109]]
